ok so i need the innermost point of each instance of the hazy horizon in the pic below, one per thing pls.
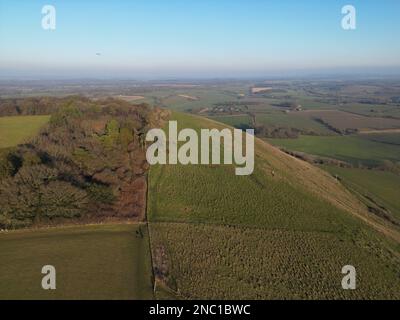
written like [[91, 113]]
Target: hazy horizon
[[351, 74], [207, 39]]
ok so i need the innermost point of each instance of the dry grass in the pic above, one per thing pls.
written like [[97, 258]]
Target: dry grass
[[219, 262]]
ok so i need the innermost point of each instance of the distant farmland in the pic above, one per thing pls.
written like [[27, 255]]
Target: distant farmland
[[384, 137], [344, 120], [353, 149], [274, 119]]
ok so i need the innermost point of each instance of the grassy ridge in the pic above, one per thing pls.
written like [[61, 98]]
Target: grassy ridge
[[276, 234], [15, 130], [214, 194], [92, 262]]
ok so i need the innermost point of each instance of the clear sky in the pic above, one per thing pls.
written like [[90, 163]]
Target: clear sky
[[190, 38]]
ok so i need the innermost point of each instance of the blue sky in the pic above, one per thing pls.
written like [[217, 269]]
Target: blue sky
[[210, 38]]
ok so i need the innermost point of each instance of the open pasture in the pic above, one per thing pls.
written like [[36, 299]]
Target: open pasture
[[92, 262], [17, 129]]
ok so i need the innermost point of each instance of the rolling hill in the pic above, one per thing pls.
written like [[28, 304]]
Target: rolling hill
[[284, 232]]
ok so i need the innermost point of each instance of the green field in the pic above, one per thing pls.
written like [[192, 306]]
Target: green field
[[15, 130], [353, 149], [264, 236], [387, 138], [344, 120], [92, 262], [233, 120], [291, 120], [205, 98], [372, 110], [381, 186]]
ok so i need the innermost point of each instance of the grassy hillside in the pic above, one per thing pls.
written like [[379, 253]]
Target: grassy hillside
[[15, 130], [92, 262], [284, 231]]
